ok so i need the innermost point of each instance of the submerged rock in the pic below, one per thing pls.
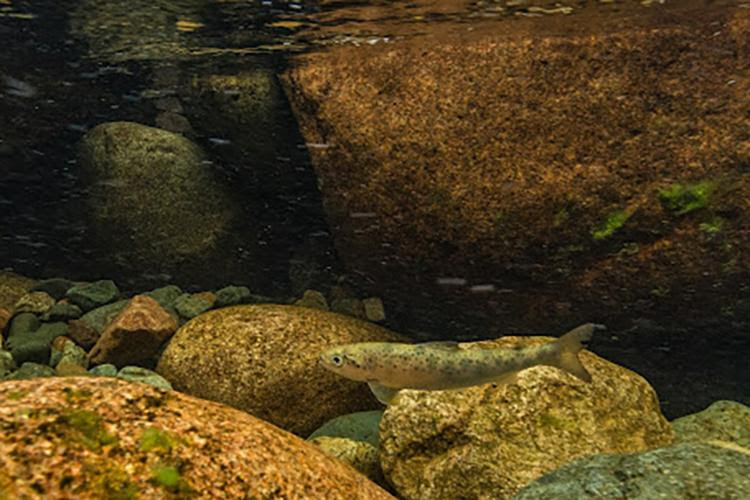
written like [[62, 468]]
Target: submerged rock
[[359, 454], [144, 376], [466, 443], [359, 426], [264, 359], [723, 420], [687, 470], [131, 440], [34, 302], [92, 295]]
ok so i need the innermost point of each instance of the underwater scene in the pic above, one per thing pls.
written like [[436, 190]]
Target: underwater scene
[[372, 249]]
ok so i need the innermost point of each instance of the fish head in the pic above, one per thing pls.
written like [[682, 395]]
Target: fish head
[[349, 361]]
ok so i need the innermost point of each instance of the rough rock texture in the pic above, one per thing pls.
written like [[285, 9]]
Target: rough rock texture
[[12, 287], [465, 443], [360, 455], [689, 471], [264, 359], [34, 302], [723, 420], [587, 164], [153, 199], [92, 437], [360, 426], [135, 335]]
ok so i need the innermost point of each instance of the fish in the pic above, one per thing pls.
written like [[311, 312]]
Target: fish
[[389, 367]]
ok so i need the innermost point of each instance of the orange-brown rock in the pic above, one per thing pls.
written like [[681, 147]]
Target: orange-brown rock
[[93, 437], [4, 319], [563, 167], [263, 359], [135, 335], [82, 333]]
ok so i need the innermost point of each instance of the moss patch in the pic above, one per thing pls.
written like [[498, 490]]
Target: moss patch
[[712, 227], [611, 224], [685, 198], [89, 428], [170, 479], [154, 438]]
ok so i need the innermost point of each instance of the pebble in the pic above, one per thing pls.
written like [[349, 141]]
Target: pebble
[[55, 287], [34, 302], [232, 296], [92, 295], [62, 311], [374, 309], [105, 370], [145, 376], [7, 364], [31, 370], [313, 299], [165, 295], [189, 306]]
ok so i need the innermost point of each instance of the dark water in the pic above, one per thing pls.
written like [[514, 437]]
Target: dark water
[[67, 66]]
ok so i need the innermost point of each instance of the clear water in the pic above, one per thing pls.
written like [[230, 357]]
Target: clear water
[[67, 66]]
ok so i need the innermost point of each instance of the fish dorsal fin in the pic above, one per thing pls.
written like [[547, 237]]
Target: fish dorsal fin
[[441, 344], [384, 394]]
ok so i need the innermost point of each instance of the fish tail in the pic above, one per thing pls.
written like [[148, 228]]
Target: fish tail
[[570, 344]]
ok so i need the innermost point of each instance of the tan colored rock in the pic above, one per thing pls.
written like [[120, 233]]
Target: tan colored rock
[[5, 316], [135, 335], [264, 359], [532, 152], [34, 302], [727, 421], [360, 455], [12, 287], [466, 443], [95, 437]]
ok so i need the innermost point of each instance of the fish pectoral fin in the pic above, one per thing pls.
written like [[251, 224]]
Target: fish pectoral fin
[[384, 394], [507, 378]]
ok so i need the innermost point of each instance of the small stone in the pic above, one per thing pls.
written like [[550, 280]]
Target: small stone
[[34, 345], [23, 324], [165, 295], [64, 350], [92, 295], [209, 297], [4, 319], [145, 376], [65, 369], [31, 370], [82, 333], [135, 335], [55, 287], [62, 311], [34, 302], [56, 349], [232, 295], [189, 306], [7, 364], [349, 306], [359, 426], [374, 309], [100, 317], [313, 299], [105, 370], [359, 454]]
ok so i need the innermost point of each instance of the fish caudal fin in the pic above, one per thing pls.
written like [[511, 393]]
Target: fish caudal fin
[[570, 345]]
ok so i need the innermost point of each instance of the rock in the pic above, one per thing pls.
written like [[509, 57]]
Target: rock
[[348, 305], [101, 317], [92, 295], [5, 316], [144, 376], [7, 363], [105, 370], [686, 470], [62, 311], [82, 334], [55, 287], [359, 454], [33, 345], [69, 353], [723, 420], [189, 306], [232, 296], [133, 440], [34, 302], [314, 299], [12, 287], [31, 370], [360, 426], [67, 369], [165, 295], [258, 358], [374, 309], [462, 180], [135, 335], [445, 444]]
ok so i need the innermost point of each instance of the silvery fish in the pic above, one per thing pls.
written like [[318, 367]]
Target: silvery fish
[[388, 367]]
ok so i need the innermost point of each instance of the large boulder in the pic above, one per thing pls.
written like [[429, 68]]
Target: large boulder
[[488, 441], [91, 437], [529, 171], [264, 359], [724, 421]]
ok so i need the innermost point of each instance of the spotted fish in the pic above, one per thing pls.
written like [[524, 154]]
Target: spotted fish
[[388, 367]]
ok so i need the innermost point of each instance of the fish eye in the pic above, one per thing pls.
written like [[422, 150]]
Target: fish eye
[[337, 360]]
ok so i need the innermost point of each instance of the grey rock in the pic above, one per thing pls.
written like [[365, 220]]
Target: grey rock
[[62, 312], [7, 364], [92, 295], [349, 306], [374, 309], [23, 324], [189, 306], [360, 426], [723, 420], [73, 354], [105, 370], [55, 287], [31, 370], [232, 295], [314, 299], [34, 345], [687, 471], [100, 317], [145, 376], [165, 295]]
